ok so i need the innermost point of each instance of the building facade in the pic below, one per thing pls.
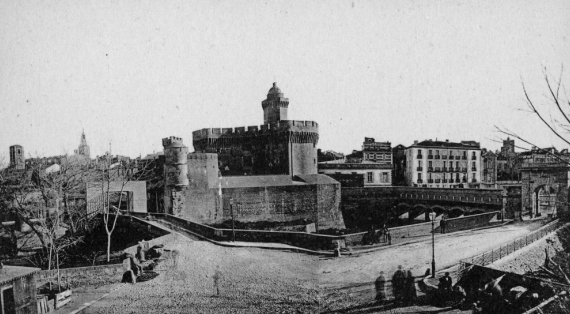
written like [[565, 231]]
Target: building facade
[[377, 152], [373, 174], [489, 168], [443, 164]]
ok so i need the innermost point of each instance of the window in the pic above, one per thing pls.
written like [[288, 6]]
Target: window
[[430, 163], [419, 163], [370, 178], [457, 164], [473, 164], [419, 151], [450, 153], [379, 156], [384, 177], [429, 152], [437, 152], [419, 176], [444, 164]]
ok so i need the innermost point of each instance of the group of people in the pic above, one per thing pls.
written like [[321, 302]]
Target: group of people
[[403, 287], [374, 236]]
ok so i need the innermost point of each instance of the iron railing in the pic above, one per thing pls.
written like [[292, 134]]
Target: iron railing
[[496, 254]]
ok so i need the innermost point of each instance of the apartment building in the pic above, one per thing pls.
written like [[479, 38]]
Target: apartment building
[[443, 164]]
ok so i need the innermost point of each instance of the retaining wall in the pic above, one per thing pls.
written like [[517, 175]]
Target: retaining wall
[[82, 276]]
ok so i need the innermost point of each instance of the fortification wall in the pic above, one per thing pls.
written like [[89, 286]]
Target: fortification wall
[[303, 158], [279, 126], [315, 203], [202, 170]]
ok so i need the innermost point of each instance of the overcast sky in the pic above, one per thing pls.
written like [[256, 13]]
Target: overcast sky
[[133, 72]]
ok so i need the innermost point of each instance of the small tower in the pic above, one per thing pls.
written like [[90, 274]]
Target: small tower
[[275, 106], [17, 159]]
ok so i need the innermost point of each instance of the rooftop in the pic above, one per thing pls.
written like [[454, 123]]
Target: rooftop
[[448, 144], [10, 273]]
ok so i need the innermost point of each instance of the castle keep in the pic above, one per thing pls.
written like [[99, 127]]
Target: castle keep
[[260, 173], [279, 146]]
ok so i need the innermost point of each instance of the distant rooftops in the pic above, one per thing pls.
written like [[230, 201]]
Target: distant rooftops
[[448, 144]]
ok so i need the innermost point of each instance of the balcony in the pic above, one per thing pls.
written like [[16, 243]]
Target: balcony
[[464, 169], [419, 156], [464, 180], [420, 181], [474, 181], [430, 180], [444, 169], [444, 180], [437, 156], [443, 156], [473, 157], [464, 157], [430, 156], [473, 169], [430, 168], [437, 169], [437, 180], [457, 157], [419, 168], [450, 169], [451, 181]]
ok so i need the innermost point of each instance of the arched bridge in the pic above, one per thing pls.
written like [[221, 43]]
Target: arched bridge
[[365, 206]]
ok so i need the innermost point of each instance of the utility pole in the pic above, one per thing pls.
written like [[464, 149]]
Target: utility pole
[[233, 223], [432, 244]]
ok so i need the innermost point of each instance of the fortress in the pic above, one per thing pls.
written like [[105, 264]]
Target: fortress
[[279, 146], [266, 173]]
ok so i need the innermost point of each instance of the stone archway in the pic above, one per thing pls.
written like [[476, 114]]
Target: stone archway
[[550, 177], [544, 200]]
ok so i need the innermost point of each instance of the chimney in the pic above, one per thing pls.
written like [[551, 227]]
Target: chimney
[[447, 141]]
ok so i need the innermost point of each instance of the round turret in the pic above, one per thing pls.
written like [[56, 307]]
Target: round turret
[[176, 163]]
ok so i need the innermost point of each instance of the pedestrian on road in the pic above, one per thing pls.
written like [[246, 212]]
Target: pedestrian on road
[[442, 225], [398, 284], [380, 288], [447, 283], [389, 238], [410, 287]]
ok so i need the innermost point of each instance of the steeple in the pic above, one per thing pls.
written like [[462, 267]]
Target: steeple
[[83, 148]]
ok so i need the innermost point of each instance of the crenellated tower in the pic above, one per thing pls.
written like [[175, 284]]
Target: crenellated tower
[[275, 106]]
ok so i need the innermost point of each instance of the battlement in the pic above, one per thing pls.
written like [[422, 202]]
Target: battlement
[[279, 126], [203, 156], [167, 141]]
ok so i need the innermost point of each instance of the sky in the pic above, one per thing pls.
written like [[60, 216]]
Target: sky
[[130, 73]]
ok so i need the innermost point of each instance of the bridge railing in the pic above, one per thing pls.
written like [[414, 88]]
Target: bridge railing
[[496, 254]]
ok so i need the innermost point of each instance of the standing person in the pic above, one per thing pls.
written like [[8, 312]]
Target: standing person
[[398, 282], [411, 292], [447, 283], [442, 225], [380, 288], [389, 238]]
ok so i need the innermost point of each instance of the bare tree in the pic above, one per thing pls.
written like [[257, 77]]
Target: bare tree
[[115, 175], [41, 197], [554, 113]]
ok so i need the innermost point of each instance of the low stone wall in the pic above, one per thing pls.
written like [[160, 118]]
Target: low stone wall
[[82, 276], [410, 231], [309, 241], [470, 222], [160, 240]]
